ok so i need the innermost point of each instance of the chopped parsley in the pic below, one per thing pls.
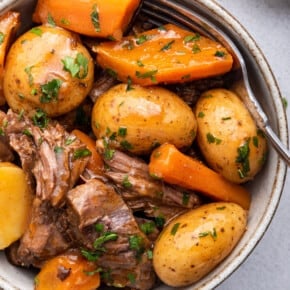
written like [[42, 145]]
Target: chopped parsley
[[150, 254], [136, 243], [167, 46], [148, 227], [191, 38], [212, 233], [112, 73], [149, 74], [132, 278], [196, 49], [140, 63], [200, 115], [64, 21], [37, 31], [129, 84], [106, 237], [108, 153], [27, 132], [219, 53], [80, 153], [243, 159], [69, 140], [78, 67], [29, 74], [126, 182], [285, 103], [90, 256], [126, 145], [50, 91], [99, 227], [211, 139], [58, 149], [256, 141], [159, 221], [142, 38], [174, 229], [40, 119], [185, 198], [50, 20], [122, 131], [2, 37], [95, 18]]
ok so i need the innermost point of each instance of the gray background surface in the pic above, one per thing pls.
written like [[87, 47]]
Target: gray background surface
[[268, 267]]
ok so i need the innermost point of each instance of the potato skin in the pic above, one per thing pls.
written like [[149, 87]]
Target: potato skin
[[228, 137], [35, 60], [194, 243], [150, 116]]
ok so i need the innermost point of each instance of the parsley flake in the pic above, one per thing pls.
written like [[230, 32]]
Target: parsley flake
[[78, 67], [95, 18], [50, 91]]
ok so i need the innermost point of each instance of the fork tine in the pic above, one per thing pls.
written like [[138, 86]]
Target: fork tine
[[159, 14], [175, 11]]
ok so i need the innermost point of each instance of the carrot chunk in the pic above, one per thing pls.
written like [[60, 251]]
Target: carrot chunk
[[95, 163], [96, 18], [174, 167], [164, 55], [68, 272]]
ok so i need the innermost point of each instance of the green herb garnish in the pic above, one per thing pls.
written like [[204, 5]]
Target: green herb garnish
[[80, 153], [95, 18], [50, 91], [167, 46], [148, 227], [37, 31], [2, 37], [219, 53], [243, 159], [78, 67], [40, 119], [126, 183], [174, 229]]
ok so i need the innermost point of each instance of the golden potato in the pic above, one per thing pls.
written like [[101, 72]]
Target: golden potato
[[228, 136], [139, 118], [48, 68], [15, 203], [194, 243]]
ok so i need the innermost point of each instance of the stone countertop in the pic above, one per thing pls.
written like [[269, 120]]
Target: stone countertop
[[268, 267]]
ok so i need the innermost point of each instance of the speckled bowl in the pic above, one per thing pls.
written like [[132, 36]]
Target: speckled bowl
[[267, 186]]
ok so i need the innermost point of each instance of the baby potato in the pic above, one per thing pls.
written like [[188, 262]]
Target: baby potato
[[139, 118], [228, 136], [15, 203], [194, 243], [47, 68]]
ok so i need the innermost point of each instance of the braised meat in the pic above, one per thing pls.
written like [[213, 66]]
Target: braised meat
[[55, 157], [131, 176], [109, 234], [48, 235]]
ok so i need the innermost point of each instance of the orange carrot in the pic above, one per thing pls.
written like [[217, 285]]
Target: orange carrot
[[95, 163], [164, 55], [68, 272], [176, 168], [9, 22], [97, 18]]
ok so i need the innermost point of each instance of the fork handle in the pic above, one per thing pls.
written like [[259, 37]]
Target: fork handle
[[279, 146]]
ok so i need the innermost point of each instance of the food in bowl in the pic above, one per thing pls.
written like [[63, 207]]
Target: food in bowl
[[98, 208]]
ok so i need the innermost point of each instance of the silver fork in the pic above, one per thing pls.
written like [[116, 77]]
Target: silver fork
[[162, 11]]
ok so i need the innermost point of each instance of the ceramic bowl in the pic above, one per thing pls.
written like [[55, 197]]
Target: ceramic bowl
[[267, 186]]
